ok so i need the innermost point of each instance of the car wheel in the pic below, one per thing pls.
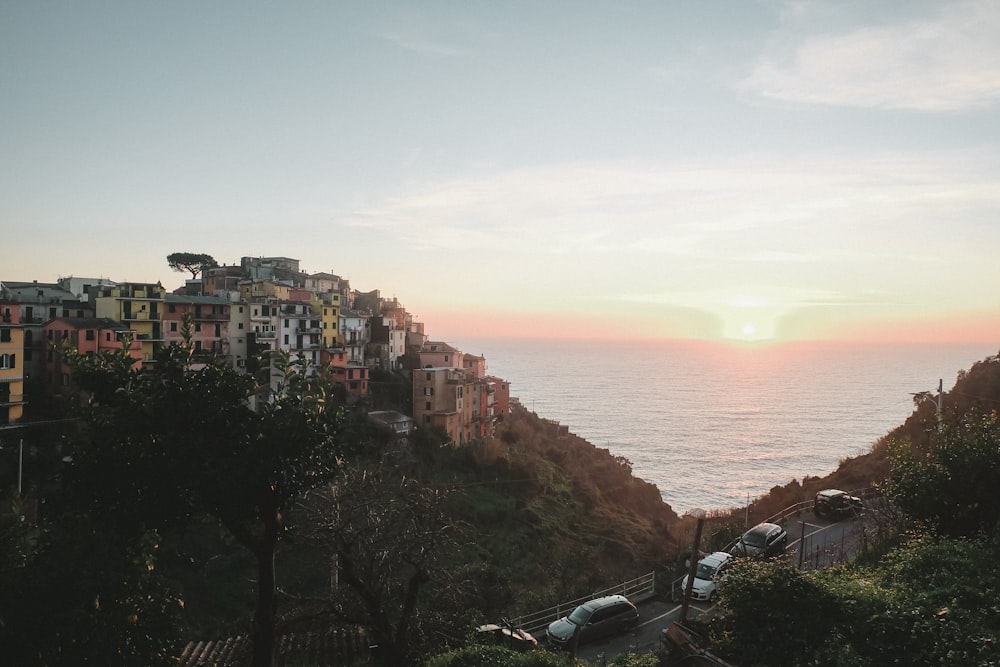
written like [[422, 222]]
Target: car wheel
[[711, 597]]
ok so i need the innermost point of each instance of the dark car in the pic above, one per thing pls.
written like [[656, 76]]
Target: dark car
[[765, 540], [837, 504], [595, 619]]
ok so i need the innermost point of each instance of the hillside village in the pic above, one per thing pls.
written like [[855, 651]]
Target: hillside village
[[241, 313]]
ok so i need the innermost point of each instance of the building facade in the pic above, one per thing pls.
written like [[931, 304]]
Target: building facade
[[11, 363]]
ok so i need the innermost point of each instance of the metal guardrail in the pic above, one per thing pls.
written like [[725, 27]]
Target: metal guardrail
[[636, 590], [643, 587]]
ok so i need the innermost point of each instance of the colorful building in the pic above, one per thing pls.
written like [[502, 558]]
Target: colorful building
[[208, 319], [445, 397], [139, 306], [89, 336], [11, 363]]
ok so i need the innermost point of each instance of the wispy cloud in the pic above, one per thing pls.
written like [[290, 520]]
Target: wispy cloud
[[752, 210], [950, 61], [421, 45]]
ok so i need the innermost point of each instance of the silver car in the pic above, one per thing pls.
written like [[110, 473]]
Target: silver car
[[592, 620]]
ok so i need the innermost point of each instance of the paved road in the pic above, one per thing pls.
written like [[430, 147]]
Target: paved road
[[826, 542]]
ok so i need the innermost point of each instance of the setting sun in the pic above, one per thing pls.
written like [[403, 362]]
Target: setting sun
[[749, 330]]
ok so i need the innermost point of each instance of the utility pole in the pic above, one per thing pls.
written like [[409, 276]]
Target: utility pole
[[693, 564], [940, 398]]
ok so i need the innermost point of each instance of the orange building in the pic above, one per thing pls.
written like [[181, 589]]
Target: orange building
[[11, 363]]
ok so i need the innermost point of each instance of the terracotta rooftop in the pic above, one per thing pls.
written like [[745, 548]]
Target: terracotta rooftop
[[332, 648]]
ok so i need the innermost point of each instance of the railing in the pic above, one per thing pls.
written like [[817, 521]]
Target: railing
[[635, 590]]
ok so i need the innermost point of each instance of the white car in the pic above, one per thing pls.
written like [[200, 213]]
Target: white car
[[705, 575]]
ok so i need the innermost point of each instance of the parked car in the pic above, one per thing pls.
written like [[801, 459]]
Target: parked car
[[837, 504], [505, 634], [594, 619], [764, 540], [708, 570]]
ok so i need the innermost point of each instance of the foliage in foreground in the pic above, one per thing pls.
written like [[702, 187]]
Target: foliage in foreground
[[932, 601], [948, 482], [500, 656]]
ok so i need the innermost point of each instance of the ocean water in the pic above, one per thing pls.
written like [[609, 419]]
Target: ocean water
[[712, 425]]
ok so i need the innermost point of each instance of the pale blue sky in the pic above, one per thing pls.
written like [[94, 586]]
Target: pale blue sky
[[709, 169]]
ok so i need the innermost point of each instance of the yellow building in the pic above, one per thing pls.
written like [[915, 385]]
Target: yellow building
[[139, 306], [11, 363], [327, 304]]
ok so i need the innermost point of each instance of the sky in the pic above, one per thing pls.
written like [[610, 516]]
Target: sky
[[735, 170]]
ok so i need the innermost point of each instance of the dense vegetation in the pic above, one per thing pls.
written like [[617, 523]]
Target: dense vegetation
[[167, 520]]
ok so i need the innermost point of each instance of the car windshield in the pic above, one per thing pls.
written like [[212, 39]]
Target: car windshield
[[754, 539], [579, 615], [705, 571]]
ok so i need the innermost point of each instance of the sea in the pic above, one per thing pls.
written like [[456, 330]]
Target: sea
[[715, 425]]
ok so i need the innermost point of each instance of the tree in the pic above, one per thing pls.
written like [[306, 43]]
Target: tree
[[949, 483], [799, 612], [164, 445], [87, 595], [191, 261], [390, 537]]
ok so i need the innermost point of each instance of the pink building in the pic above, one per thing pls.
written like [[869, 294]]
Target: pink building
[[475, 365], [353, 376], [209, 318], [435, 354], [445, 397], [89, 335]]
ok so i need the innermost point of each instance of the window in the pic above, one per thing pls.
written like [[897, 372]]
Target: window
[[4, 335], [90, 334], [172, 308], [427, 405], [218, 330], [173, 327], [197, 327], [240, 325], [8, 361]]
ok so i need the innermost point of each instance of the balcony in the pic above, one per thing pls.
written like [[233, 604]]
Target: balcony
[[211, 317], [12, 399]]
